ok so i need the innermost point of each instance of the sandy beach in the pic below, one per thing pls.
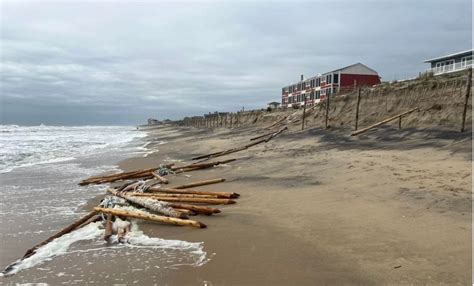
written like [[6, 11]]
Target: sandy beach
[[316, 207], [321, 207]]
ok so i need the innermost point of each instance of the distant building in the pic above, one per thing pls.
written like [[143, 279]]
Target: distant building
[[318, 87], [273, 105], [450, 63], [152, 121]]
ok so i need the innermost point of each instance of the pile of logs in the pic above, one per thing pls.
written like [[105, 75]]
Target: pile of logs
[[169, 206]]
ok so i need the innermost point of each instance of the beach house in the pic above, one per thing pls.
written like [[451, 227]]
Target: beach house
[[318, 87], [450, 63]]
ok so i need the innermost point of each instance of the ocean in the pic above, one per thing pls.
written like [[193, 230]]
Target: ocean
[[40, 168]]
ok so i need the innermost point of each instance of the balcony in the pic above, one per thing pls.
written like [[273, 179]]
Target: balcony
[[450, 68]]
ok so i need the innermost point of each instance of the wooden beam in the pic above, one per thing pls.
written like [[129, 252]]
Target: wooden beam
[[384, 121], [151, 217]]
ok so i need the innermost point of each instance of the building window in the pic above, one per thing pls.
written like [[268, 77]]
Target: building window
[[336, 78], [318, 94], [328, 78], [311, 95], [466, 61], [449, 65], [318, 82], [328, 91], [440, 67]]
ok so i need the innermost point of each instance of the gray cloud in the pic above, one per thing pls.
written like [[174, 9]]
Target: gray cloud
[[119, 63]]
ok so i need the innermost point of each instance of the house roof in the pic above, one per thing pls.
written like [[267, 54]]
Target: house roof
[[273, 103], [353, 65], [458, 54]]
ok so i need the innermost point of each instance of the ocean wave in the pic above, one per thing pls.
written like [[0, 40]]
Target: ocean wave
[[22, 146]]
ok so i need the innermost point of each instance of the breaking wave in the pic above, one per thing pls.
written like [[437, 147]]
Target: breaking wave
[[22, 146]]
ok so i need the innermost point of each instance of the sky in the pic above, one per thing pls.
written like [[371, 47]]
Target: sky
[[121, 62]]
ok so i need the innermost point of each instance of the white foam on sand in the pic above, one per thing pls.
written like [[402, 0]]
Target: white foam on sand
[[58, 246], [134, 239]]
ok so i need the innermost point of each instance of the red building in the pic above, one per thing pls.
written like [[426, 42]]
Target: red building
[[316, 88]]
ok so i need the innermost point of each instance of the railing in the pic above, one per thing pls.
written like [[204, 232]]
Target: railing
[[450, 68]]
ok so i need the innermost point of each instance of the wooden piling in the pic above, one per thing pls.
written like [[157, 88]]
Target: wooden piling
[[466, 98], [304, 113], [327, 111], [151, 217], [357, 109]]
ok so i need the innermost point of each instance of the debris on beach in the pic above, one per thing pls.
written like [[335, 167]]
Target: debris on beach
[[140, 197]]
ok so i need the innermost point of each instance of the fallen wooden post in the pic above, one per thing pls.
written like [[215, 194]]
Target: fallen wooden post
[[64, 231], [148, 203], [281, 120], [197, 166], [233, 150], [121, 176], [160, 178], [199, 183], [276, 134], [197, 209], [151, 217], [196, 200], [151, 195], [185, 211], [383, 121], [261, 136], [228, 195]]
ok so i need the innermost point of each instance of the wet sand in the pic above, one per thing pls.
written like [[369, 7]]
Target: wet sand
[[317, 207]]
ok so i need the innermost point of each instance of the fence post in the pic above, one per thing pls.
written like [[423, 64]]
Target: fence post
[[466, 98], [304, 113], [327, 110], [357, 109], [400, 122]]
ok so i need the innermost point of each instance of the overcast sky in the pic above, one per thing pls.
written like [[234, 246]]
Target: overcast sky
[[122, 62]]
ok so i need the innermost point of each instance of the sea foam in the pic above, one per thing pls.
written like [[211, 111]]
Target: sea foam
[[93, 232]]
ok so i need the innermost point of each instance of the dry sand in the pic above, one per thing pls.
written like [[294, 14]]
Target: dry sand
[[318, 207]]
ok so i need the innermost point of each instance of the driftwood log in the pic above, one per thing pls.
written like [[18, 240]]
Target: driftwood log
[[151, 195], [149, 173], [199, 183], [202, 165], [227, 195], [121, 176], [384, 121], [160, 178], [196, 200], [151, 217], [185, 211], [238, 149], [149, 203], [197, 209]]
